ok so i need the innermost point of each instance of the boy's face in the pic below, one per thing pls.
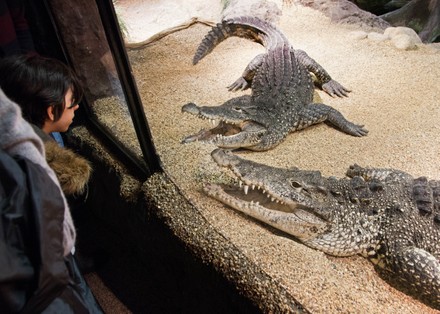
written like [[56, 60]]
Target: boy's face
[[66, 119]]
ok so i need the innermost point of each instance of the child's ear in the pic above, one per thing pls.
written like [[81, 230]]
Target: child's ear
[[50, 114]]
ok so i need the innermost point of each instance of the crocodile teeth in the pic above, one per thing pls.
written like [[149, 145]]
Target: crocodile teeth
[[371, 253], [246, 189], [253, 186], [240, 184], [213, 122]]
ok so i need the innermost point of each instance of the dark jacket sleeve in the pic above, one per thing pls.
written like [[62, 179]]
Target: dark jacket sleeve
[[35, 276], [32, 261]]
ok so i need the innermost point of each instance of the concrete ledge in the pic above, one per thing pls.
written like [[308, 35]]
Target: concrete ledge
[[134, 204], [186, 222]]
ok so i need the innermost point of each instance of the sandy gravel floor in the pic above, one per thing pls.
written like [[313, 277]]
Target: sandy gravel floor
[[395, 94]]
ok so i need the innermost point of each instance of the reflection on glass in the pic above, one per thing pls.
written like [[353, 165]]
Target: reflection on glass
[[87, 47]]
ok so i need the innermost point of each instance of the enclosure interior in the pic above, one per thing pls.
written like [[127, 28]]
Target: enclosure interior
[[394, 94]]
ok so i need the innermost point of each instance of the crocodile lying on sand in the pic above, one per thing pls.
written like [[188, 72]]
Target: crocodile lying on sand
[[281, 101], [385, 215]]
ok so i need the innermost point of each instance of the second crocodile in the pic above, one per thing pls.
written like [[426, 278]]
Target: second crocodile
[[385, 215], [281, 101]]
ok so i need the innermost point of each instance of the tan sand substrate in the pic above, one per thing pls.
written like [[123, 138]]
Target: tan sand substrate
[[395, 94]]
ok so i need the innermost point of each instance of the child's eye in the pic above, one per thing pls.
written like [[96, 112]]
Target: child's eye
[[72, 105]]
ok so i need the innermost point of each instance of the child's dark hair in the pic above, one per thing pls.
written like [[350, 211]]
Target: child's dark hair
[[36, 83]]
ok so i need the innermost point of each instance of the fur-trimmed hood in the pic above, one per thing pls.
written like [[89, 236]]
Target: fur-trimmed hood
[[72, 170]]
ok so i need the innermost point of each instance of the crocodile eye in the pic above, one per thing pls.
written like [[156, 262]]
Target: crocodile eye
[[300, 188], [295, 184]]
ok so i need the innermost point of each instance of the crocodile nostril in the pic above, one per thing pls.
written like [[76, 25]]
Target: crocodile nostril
[[190, 108]]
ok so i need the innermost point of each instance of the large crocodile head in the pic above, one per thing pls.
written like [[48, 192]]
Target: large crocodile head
[[241, 124], [334, 215], [282, 198]]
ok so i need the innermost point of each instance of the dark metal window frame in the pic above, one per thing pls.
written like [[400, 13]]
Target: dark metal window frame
[[134, 103], [151, 163]]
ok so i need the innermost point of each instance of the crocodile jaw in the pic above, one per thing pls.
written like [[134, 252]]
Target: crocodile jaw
[[260, 201], [229, 133], [293, 220]]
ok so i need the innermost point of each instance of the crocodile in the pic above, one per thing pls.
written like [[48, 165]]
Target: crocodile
[[281, 98], [385, 215]]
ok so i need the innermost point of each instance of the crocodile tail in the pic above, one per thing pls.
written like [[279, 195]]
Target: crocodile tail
[[251, 28]]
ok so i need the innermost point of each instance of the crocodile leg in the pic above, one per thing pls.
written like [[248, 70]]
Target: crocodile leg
[[245, 81], [329, 85], [316, 113], [419, 269]]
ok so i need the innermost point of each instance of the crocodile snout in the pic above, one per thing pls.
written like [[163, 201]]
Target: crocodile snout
[[222, 157], [191, 108]]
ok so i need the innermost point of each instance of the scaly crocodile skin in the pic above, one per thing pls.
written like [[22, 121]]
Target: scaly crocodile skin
[[281, 101], [385, 215]]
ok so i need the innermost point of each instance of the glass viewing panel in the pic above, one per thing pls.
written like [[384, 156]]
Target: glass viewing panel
[[87, 47]]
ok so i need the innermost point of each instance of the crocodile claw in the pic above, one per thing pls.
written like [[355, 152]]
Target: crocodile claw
[[239, 84], [358, 130], [333, 88]]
